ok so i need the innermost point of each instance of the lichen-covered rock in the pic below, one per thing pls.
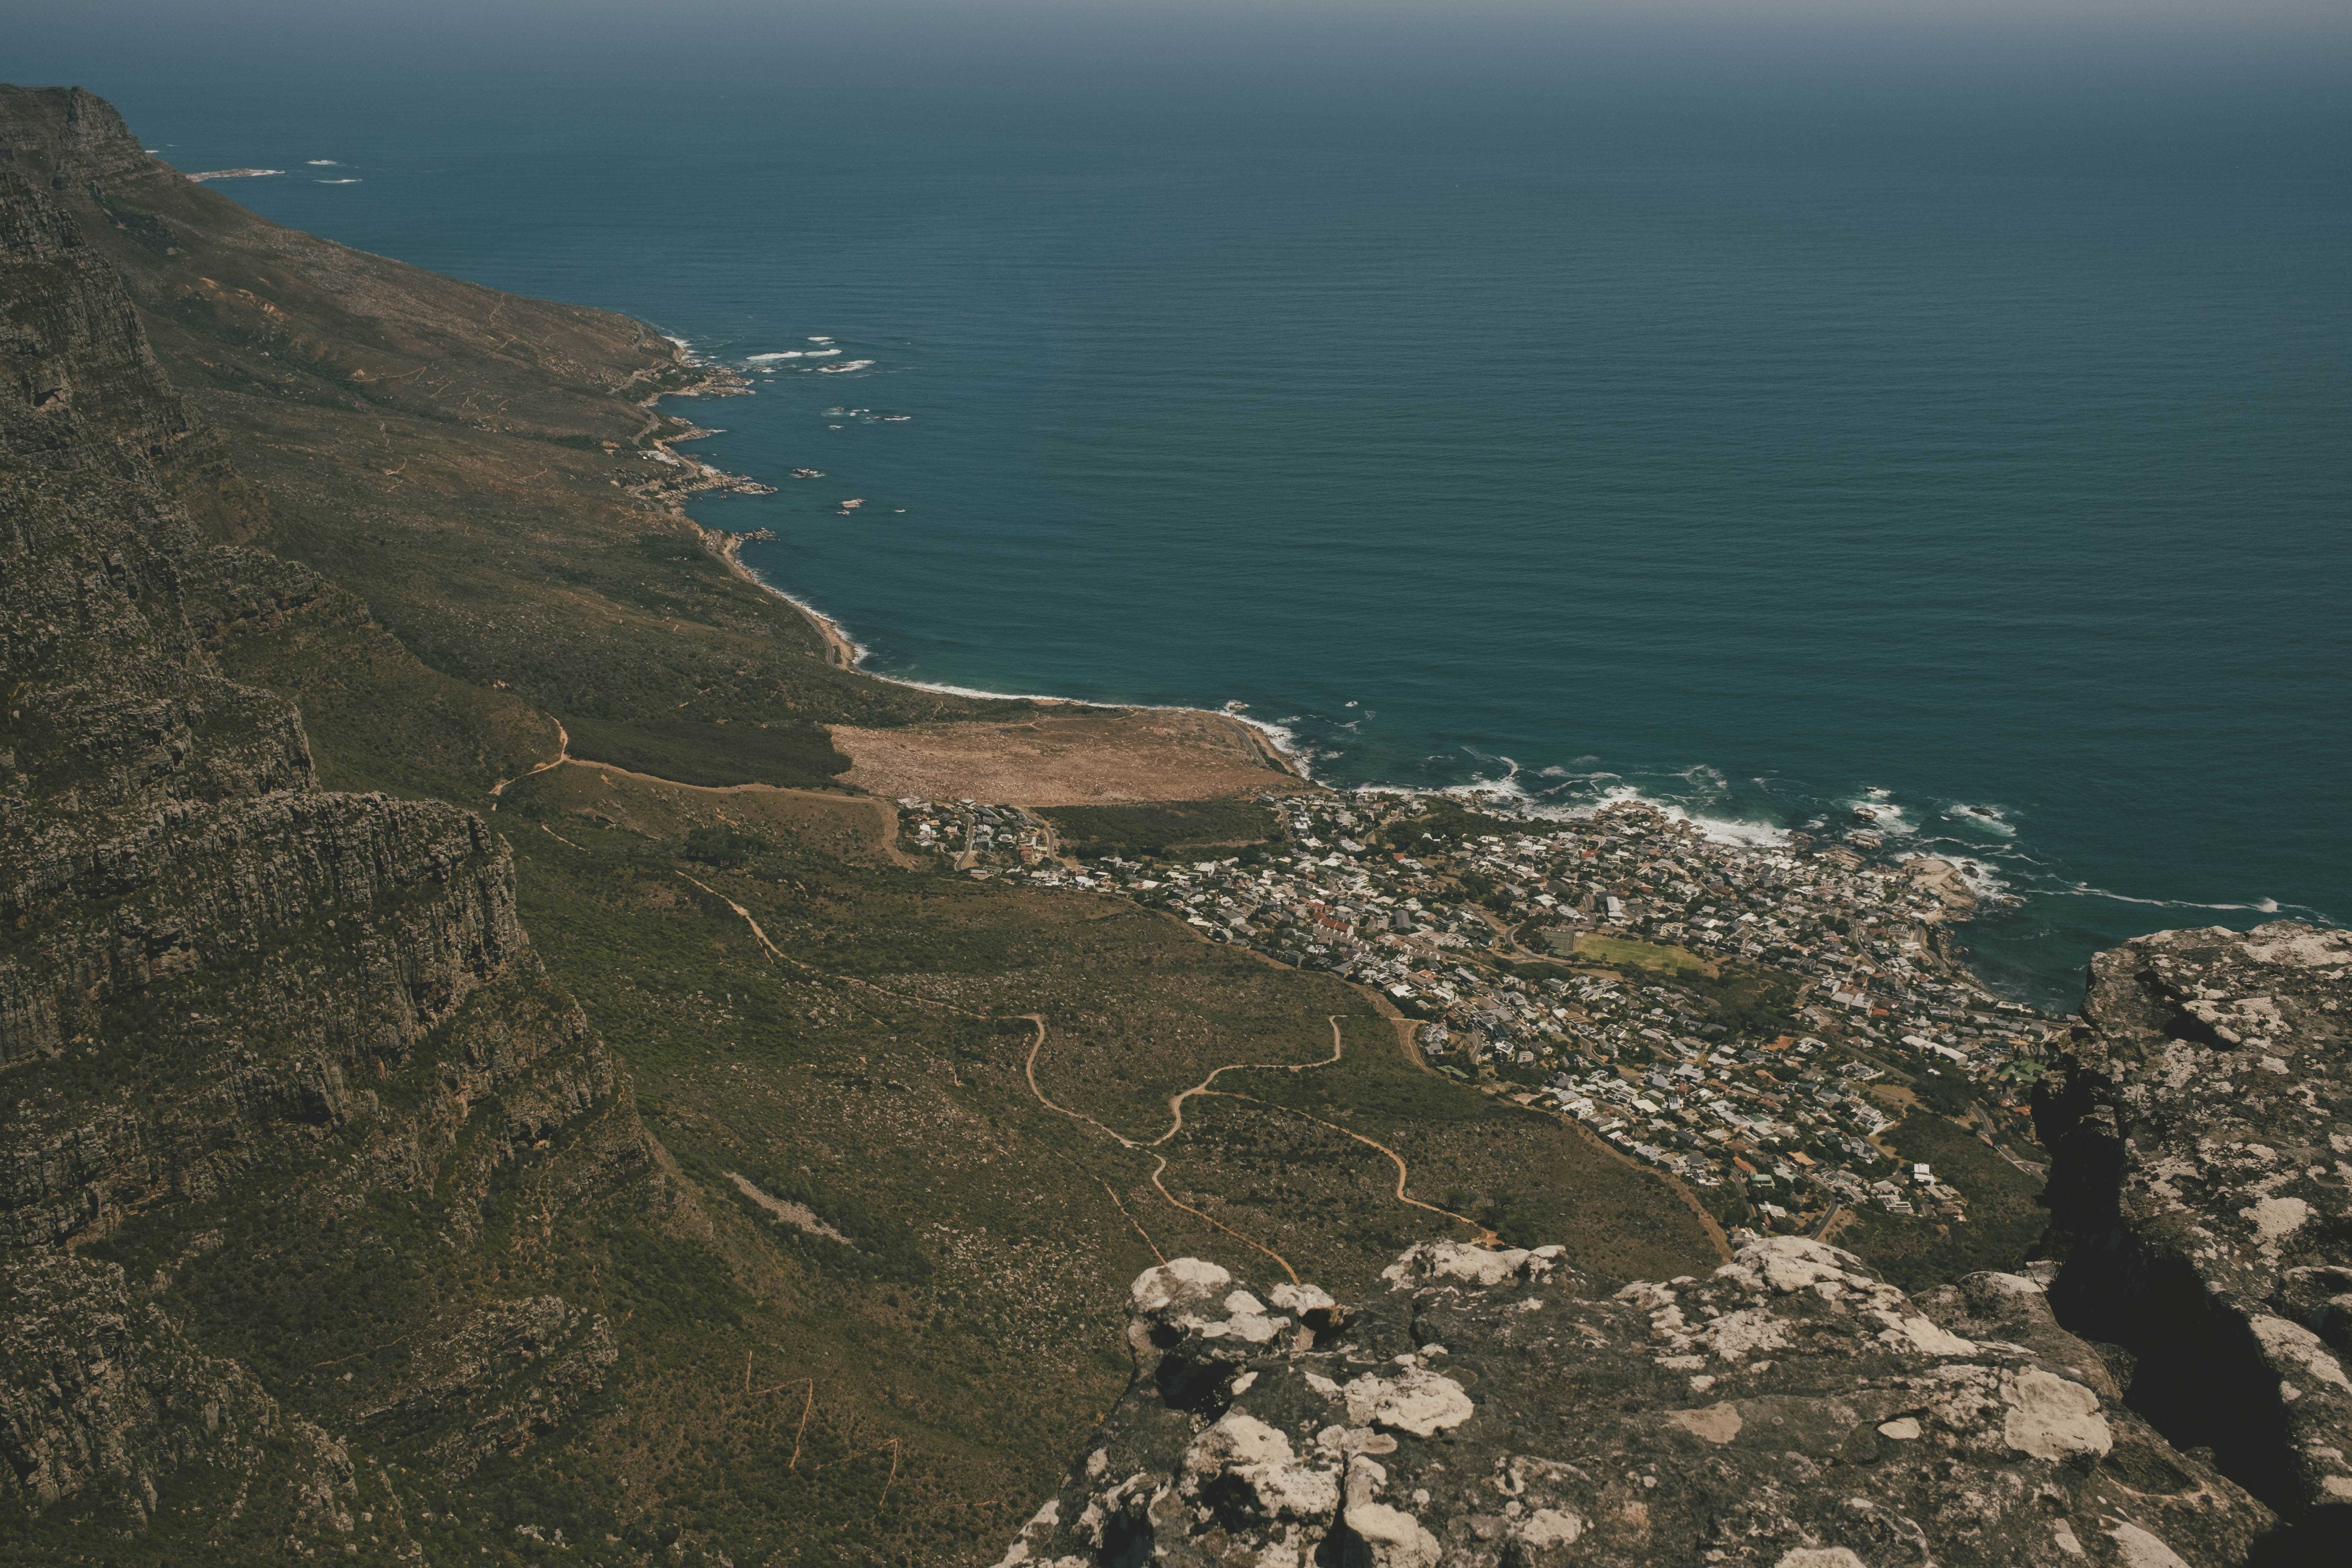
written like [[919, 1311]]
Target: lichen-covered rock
[[2201, 1122], [1491, 1408]]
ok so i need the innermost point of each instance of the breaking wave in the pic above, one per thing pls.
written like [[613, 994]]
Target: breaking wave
[[1989, 885], [1988, 817], [2259, 907], [1879, 810]]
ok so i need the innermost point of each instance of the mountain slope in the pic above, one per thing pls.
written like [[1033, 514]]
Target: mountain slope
[[331, 1215], [204, 1085], [475, 466]]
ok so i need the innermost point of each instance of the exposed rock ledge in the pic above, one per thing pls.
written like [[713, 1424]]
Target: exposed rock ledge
[[2201, 1124], [1502, 1409]]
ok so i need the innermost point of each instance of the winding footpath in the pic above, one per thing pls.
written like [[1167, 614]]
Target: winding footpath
[[1175, 1102], [1486, 1237], [562, 755], [779, 955], [1483, 1236]]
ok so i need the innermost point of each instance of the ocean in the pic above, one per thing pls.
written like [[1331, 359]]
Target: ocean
[[1975, 458]]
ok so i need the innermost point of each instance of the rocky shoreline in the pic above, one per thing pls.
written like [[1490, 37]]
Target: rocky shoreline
[[843, 651]]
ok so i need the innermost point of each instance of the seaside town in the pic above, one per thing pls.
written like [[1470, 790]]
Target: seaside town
[[1751, 1018]]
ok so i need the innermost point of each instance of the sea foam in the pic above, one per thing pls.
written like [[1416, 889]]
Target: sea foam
[[1988, 817], [2259, 907], [1988, 885], [1881, 813]]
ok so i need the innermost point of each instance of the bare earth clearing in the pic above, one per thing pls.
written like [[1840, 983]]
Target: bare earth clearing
[[1084, 756]]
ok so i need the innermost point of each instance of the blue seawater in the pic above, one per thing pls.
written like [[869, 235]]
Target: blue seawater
[[1984, 466]]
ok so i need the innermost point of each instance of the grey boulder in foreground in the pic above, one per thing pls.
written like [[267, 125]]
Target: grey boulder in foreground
[[1501, 1407]]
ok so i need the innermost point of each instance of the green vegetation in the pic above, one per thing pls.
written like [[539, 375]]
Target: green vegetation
[[911, 1100], [1748, 998], [2005, 1216], [378, 719], [1160, 830], [1480, 888], [1538, 970], [792, 753], [1680, 961], [1946, 1094], [722, 847]]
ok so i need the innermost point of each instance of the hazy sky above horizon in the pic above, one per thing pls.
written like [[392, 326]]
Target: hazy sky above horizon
[[39, 38], [2123, 85]]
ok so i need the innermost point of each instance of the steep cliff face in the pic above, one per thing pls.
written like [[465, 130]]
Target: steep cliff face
[[2201, 1123], [89, 140], [1502, 1409], [238, 1016]]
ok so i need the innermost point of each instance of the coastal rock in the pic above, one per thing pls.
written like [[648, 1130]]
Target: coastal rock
[[1502, 1407], [2200, 1118], [1942, 880]]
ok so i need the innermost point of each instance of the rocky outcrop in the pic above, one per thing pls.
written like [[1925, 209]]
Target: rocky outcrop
[[104, 1397], [2200, 1120], [1502, 1407], [88, 143], [499, 1376]]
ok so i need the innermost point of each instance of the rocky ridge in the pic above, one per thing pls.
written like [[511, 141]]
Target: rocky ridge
[[1503, 1408], [2201, 1122]]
